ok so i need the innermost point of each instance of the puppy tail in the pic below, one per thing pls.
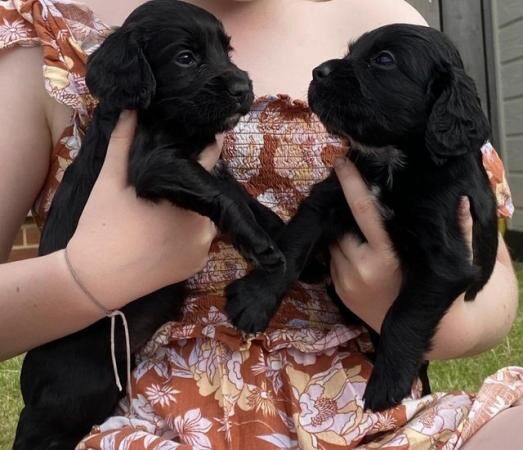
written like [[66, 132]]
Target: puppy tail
[[36, 432]]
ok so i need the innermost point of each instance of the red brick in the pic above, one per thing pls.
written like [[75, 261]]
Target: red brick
[[19, 240], [32, 235], [22, 253]]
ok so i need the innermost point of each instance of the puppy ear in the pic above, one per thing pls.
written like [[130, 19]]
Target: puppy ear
[[118, 73], [457, 124]]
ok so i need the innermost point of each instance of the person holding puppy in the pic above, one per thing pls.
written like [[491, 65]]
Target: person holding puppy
[[300, 383]]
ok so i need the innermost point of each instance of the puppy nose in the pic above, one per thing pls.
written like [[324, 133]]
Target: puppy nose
[[239, 88], [321, 72]]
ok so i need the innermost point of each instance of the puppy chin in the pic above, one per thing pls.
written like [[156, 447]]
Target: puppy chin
[[313, 98], [231, 122], [241, 109], [321, 107]]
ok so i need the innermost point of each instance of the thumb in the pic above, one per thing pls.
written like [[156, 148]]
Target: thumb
[[117, 158], [465, 220], [210, 156]]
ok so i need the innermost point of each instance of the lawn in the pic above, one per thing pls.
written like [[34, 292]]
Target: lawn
[[465, 374]]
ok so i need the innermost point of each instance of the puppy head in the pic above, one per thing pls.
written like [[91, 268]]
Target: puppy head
[[172, 58], [401, 85]]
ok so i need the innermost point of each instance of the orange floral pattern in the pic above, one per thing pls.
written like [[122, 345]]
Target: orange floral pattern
[[198, 383]]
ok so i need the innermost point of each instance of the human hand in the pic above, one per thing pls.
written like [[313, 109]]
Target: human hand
[[125, 247], [367, 275]]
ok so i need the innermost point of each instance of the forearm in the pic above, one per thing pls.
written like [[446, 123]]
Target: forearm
[[473, 327], [40, 302]]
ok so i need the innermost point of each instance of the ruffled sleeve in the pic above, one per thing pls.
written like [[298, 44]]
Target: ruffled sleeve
[[67, 32], [498, 180]]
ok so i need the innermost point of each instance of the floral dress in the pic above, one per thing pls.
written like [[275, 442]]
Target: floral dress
[[198, 383]]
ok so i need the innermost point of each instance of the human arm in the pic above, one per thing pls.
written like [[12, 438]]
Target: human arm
[[367, 277], [124, 247]]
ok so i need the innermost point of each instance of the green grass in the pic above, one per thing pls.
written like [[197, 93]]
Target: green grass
[[464, 374], [468, 373], [10, 401]]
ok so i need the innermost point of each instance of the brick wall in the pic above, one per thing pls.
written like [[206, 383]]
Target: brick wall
[[26, 243]]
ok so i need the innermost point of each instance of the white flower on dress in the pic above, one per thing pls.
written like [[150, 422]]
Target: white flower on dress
[[109, 441], [280, 441], [168, 445], [261, 399], [228, 413], [271, 368], [499, 404], [192, 429], [214, 318], [49, 9], [163, 395], [386, 421], [72, 142], [10, 32]]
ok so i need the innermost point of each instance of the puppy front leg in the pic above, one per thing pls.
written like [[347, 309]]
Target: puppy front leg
[[252, 300], [186, 184], [265, 217]]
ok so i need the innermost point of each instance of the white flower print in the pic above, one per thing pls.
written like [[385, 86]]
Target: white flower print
[[192, 429], [163, 395], [280, 441], [498, 405], [261, 399], [141, 437], [109, 441], [271, 369], [179, 367], [206, 357], [234, 366], [143, 368], [287, 420], [144, 411], [228, 413], [213, 319], [49, 9], [226, 427], [73, 142], [168, 446], [386, 421], [445, 416], [10, 32]]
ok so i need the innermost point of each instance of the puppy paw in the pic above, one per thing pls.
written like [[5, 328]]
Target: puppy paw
[[251, 303], [386, 389]]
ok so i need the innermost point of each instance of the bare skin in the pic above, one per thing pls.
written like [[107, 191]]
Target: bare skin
[[277, 42]]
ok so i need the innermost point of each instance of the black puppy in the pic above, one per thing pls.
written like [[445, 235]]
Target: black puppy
[[416, 127], [170, 60]]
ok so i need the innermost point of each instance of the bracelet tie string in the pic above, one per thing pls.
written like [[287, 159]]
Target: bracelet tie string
[[113, 315]]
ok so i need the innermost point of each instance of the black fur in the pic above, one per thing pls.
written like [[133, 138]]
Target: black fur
[[416, 127], [68, 385]]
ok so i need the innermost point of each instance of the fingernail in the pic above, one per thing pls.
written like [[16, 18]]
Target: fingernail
[[464, 205]]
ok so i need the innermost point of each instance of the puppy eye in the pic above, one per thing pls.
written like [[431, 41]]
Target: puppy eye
[[385, 58], [185, 58]]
